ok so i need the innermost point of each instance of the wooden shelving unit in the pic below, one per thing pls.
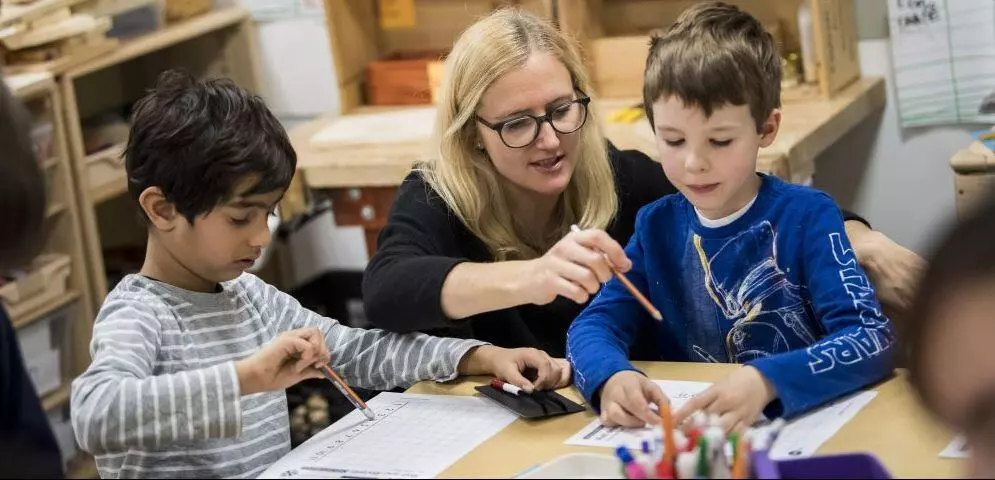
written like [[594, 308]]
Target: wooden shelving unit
[[217, 43], [39, 92]]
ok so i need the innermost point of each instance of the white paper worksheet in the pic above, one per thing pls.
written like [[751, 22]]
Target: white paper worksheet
[[597, 435], [413, 436], [800, 438], [956, 449]]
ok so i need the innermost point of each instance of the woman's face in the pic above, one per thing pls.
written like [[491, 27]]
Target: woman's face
[[545, 165], [958, 370]]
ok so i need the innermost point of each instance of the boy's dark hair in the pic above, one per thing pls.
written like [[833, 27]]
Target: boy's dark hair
[[964, 256], [715, 55], [196, 140], [22, 187]]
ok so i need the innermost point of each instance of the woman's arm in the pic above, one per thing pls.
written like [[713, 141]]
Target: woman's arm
[[893, 269]]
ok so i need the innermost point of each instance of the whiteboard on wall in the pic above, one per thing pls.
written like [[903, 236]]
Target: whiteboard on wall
[[943, 56]]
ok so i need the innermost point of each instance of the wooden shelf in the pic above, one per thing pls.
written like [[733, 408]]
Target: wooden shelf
[[37, 307], [170, 35], [56, 399], [83, 466]]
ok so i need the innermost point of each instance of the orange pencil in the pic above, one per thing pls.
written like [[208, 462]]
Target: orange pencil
[[669, 446], [347, 392], [628, 285], [739, 463]]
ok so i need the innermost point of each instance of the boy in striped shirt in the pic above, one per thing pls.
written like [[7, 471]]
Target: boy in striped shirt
[[191, 356]]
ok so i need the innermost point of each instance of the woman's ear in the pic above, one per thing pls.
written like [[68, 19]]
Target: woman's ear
[[160, 211], [770, 127]]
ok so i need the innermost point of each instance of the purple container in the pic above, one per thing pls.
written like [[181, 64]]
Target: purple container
[[845, 466]]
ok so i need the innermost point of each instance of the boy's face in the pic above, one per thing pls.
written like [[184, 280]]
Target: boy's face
[[226, 241], [958, 370], [711, 160]]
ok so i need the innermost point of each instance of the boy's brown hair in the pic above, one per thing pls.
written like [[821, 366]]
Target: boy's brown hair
[[715, 55]]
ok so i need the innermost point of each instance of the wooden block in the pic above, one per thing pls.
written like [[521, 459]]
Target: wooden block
[[65, 62], [57, 16], [75, 25]]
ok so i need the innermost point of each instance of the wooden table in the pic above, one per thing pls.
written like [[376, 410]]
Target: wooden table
[[362, 180], [892, 426]]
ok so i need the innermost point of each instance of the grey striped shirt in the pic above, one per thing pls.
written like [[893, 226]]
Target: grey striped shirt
[[161, 398]]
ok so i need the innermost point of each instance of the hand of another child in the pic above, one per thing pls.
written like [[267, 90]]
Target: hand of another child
[[290, 358], [737, 399], [626, 399]]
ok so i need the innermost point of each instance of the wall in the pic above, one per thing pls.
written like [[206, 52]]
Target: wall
[[898, 179]]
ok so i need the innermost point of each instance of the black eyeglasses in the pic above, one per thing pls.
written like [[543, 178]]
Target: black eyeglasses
[[521, 131]]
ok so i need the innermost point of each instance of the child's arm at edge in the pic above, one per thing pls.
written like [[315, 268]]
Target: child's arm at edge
[[599, 338], [856, 350], [118, 404]]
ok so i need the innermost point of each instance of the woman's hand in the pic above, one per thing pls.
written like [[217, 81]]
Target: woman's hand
[[893, 269], [574, 268]]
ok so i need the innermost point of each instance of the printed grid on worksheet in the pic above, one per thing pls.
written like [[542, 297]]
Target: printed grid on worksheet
[[411, 437]]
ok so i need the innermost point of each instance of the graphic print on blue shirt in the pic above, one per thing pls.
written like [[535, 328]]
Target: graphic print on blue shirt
[[758, 309]]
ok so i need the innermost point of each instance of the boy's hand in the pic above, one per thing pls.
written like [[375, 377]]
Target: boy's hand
[[290, 358], [737, 399], [511, 366], [626, 399]]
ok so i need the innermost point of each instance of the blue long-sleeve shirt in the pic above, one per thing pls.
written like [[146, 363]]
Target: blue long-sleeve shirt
[[778, 288]]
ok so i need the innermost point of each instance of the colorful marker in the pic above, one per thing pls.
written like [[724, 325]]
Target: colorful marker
[[505, 386], [632, 469]]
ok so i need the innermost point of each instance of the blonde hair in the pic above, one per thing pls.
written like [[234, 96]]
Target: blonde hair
[[464, 176]]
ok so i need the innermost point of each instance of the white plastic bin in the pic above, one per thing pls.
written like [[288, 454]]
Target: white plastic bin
[[577, 465]]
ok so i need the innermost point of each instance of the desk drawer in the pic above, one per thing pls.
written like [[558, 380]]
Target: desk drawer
[[366, 207]]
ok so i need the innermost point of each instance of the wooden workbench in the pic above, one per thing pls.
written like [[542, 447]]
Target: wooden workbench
[[892, 427], [361, 179]]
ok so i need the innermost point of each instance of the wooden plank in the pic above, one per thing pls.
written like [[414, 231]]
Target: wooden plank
[[56, 399], [60, 65], [160, 39], [71, 27], [11, 14], [35, 308], [27, 85], [835, 38], [352, 35]]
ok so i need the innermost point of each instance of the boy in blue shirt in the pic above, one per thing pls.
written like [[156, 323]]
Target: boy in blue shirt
[[745, 268]]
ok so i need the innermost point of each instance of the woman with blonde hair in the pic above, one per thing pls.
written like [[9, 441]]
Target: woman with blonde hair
[[478, 242]]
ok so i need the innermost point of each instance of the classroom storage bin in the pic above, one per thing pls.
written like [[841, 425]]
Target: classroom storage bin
[[367, 42], [46, 277], [615, 37]]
